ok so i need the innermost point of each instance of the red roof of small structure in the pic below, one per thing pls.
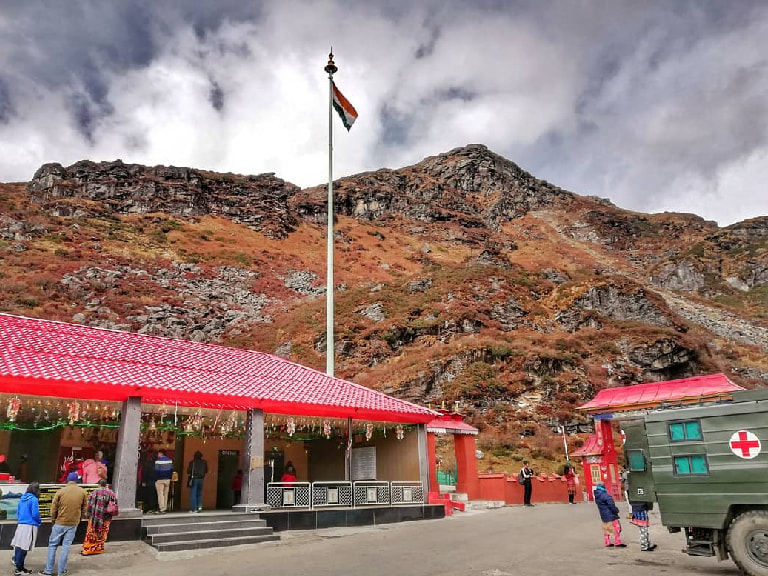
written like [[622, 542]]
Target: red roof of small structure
[[45, 358], [451, 423], [653, 394], [592, 447]]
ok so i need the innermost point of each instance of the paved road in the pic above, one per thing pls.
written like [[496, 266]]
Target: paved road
[[555, 539]]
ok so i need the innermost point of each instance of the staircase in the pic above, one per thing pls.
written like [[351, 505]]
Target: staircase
[[182, 531]]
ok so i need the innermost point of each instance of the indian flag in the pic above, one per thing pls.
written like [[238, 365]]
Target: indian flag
[[344, 108]]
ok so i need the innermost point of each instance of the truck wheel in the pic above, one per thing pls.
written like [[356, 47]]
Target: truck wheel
[[748, 542]]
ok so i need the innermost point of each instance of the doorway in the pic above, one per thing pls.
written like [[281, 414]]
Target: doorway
[[229, 463]]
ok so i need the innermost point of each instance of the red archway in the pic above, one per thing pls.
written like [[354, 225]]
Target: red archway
[[467, 481]]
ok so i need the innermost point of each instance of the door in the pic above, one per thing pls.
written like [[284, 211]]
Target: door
[[229, 463]]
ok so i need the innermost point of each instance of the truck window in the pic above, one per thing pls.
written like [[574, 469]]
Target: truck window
[[691, 465], [636, 460], [685, 431]]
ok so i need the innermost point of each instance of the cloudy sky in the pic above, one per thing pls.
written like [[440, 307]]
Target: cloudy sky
[[657, 105]]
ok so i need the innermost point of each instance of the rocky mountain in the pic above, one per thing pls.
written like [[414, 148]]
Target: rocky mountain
[[462, 277]]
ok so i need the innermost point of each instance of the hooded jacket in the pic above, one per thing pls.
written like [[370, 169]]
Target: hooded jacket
[[28, 511], [605, 504]]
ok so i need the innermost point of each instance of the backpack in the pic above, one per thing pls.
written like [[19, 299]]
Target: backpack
[[520, 478]]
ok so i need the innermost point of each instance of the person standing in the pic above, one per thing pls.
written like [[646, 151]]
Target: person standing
[[67, 509], [28, 516], [93, 470], [609, 514], [196, 471], [289, 475], [527, 474], [163, 475], [237, 487], [570, 482], [102, 507], [641, 520], [22, 472]]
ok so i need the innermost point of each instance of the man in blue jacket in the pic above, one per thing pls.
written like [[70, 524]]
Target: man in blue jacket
[[609, 514], [163, 475]]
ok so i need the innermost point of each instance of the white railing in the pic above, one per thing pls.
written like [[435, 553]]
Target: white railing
[[343, 494], [332, 494], [289, 494], [371, 493], [406, 493]]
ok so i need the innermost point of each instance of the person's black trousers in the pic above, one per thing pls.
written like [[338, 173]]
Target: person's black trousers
[[528, 486]]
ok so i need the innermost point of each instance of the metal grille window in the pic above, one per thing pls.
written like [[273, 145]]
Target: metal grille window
[[691, 465], [685, 431]]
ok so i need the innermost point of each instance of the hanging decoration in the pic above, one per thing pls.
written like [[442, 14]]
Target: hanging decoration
[[290, 426], [368, 431], [326, 429], [399, 432], [14, 405], [73, 412]]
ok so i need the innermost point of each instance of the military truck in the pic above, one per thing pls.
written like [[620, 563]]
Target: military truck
[[707, 468]]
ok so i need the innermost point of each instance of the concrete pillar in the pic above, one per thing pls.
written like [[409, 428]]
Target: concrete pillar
[[434, 486], [467, 481], [125, 474], [423, 459], [252, 494]]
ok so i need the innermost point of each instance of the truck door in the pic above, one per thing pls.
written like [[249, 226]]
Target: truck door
[[640, 486]]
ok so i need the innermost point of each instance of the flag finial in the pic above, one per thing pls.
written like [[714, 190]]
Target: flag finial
[[331, 66]]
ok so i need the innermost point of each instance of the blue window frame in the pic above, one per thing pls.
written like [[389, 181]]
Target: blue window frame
[[691, 465], [685, 431]]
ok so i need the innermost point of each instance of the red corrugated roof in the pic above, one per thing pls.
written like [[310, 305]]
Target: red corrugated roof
[[655, 393], [45, 358], [592, 447]]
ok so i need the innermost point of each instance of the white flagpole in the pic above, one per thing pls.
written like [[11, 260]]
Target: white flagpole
[[329, 353]]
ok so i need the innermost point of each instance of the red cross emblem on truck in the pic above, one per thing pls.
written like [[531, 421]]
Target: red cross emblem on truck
[[745, 444]]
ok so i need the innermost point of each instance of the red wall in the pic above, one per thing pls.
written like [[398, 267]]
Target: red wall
[[546, 488]]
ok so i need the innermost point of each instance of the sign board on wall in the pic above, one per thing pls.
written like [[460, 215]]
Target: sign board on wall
[[48, 491], [364, 463]]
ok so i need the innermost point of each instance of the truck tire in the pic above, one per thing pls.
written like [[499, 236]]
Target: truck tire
[[748, 542]]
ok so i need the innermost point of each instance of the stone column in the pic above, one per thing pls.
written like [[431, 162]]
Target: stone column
[[252, 495], [423, 459], [126, 469]]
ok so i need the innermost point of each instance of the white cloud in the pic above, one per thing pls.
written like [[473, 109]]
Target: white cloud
[[657, 108]]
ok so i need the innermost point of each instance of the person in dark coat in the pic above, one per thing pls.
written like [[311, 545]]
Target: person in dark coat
[[147, 492], [527, 474], [609, 514]]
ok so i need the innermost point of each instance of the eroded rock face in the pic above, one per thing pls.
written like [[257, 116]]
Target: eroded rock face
[[679, 276], [470, 186], [611, 302], [665, 359], [259, 202]]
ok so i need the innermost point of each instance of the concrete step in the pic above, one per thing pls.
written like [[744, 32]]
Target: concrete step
[[486, 504], [459, 497], [214, 543], [168, 537], [187, 518], [177, 527]]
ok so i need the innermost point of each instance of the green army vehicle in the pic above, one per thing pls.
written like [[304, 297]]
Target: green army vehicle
[[707, 468]]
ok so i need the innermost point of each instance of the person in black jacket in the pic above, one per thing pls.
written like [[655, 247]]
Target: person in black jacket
[[609, 514], [196, 471], [526, 475]]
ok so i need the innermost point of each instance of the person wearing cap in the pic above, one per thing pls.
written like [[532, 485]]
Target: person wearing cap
[[609, 514], [526, 475]]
